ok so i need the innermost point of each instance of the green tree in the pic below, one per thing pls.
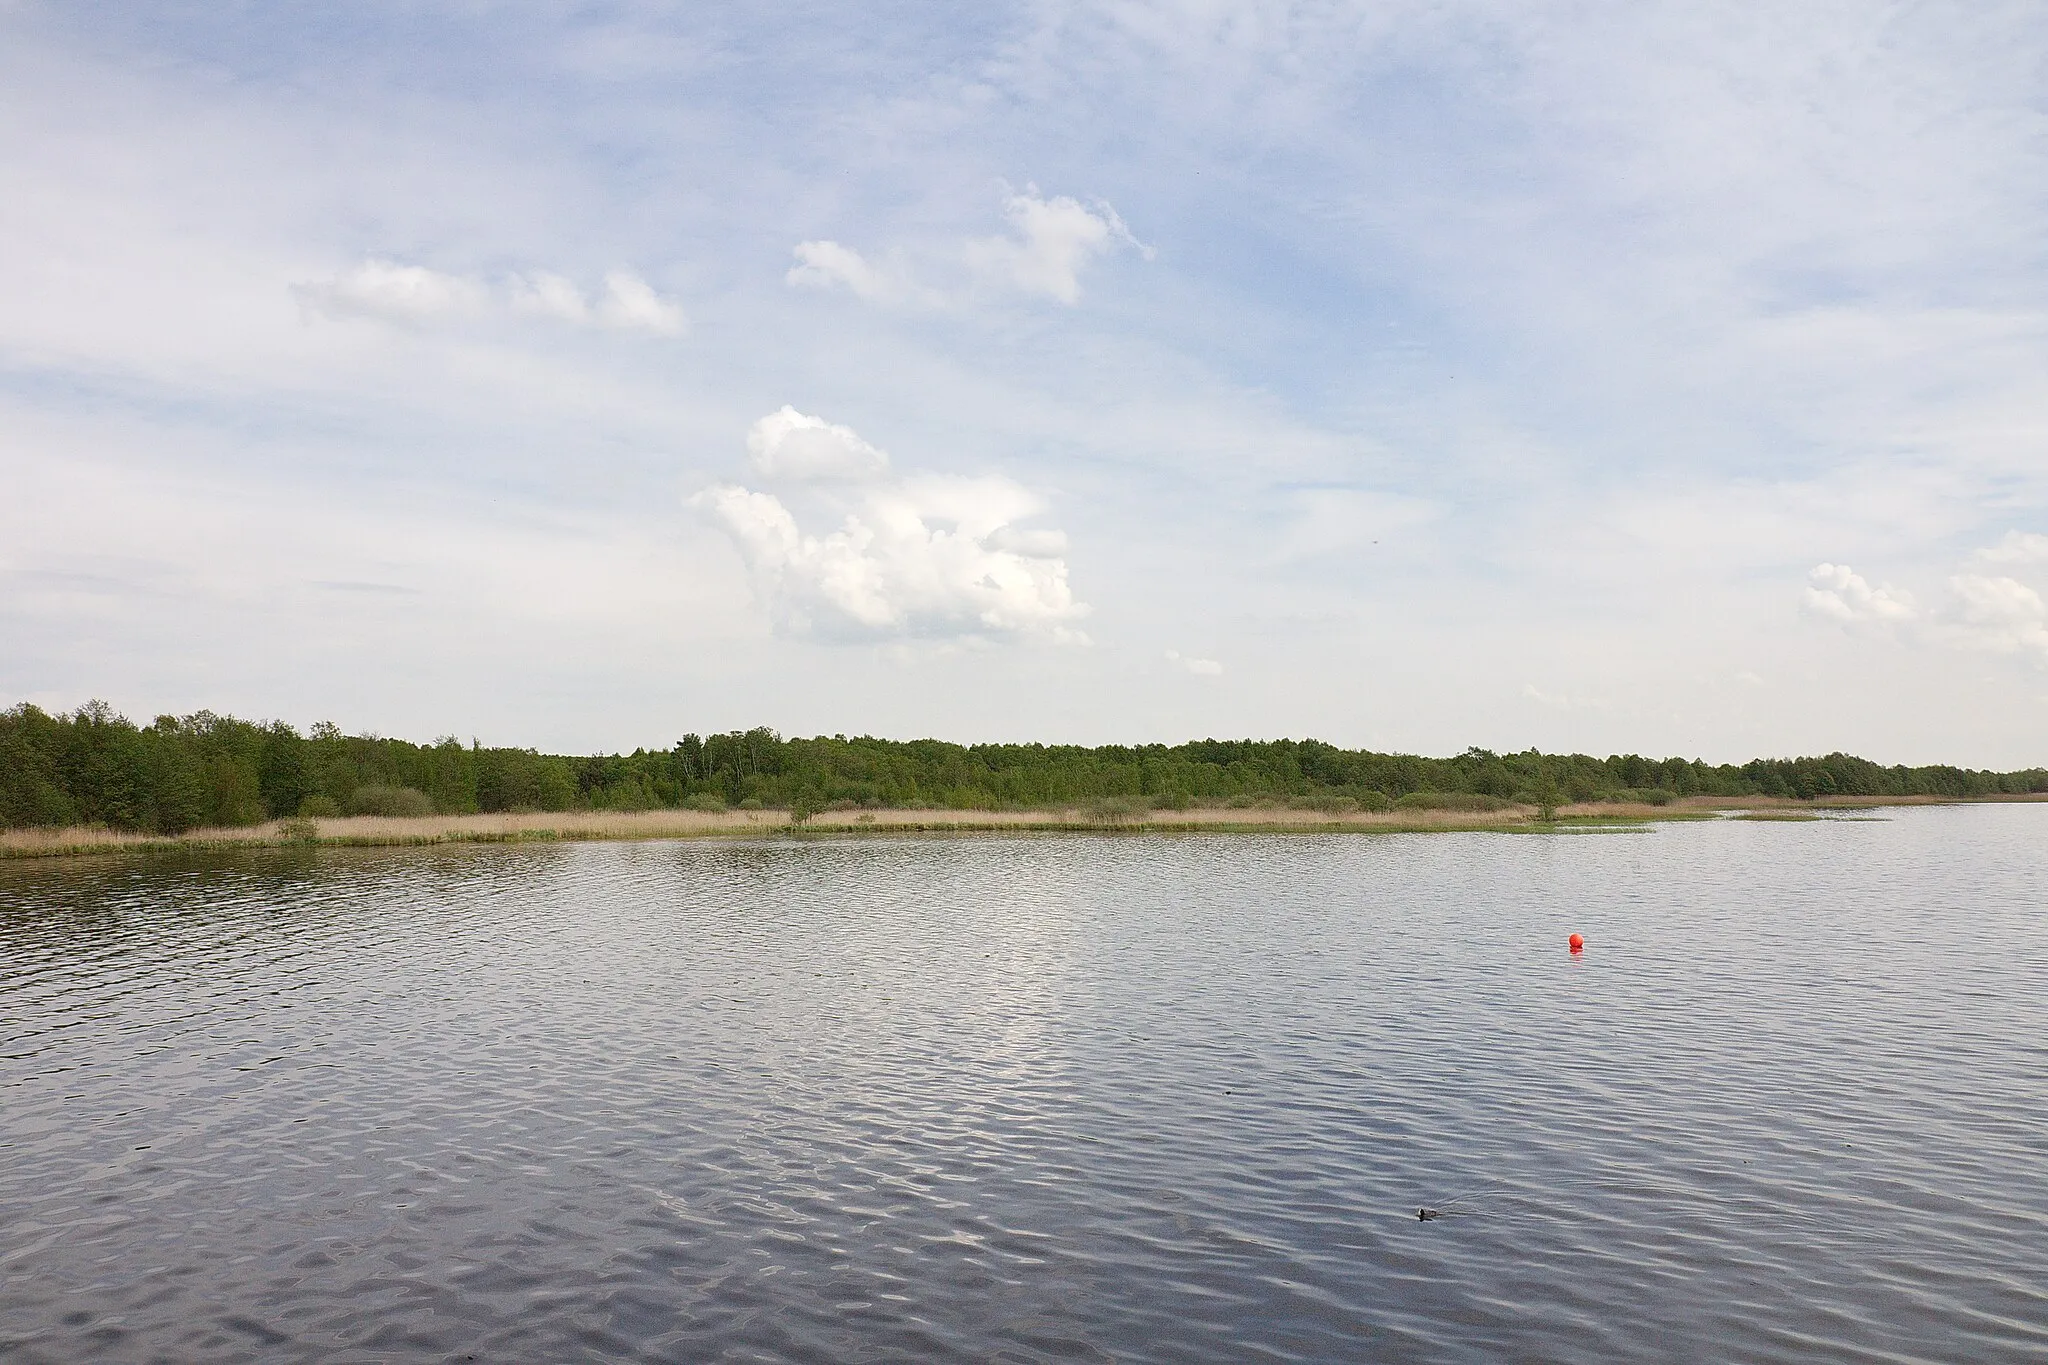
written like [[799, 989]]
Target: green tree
[[1547, 793]]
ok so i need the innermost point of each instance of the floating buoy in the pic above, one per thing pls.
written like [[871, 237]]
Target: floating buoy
[[1578, 943]]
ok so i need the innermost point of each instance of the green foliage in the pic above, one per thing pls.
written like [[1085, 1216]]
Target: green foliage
[[95, 767], [1117, 810], [1547, 793], [378, 799]]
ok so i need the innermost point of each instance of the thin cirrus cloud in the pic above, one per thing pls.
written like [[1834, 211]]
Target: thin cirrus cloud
[[414, 295], [1050, 243], [931, 557]]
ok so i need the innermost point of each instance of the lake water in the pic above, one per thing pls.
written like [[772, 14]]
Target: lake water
[[1171, 1098]]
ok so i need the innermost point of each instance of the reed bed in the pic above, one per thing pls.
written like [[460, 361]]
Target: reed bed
[[553, 826]]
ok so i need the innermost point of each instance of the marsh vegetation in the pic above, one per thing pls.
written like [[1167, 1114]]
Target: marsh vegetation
[[95, 768]]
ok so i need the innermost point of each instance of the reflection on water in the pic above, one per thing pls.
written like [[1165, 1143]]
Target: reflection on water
[[1145, 1098]]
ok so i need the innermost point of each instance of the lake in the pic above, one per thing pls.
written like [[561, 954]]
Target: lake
[[1173, 1098]]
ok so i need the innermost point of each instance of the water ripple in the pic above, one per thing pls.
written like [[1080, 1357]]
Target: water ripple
[[1062, 1098]]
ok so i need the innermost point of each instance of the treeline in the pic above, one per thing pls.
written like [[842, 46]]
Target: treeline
[[182, 772]]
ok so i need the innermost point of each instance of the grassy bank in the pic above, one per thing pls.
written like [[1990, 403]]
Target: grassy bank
[[571, 826]]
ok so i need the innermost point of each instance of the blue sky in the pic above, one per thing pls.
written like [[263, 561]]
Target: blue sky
[[1650, 377]]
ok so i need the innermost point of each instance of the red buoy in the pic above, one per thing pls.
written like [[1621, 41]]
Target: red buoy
[[1578, 944]]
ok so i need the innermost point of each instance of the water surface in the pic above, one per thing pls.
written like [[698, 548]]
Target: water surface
[[1170, 1098]]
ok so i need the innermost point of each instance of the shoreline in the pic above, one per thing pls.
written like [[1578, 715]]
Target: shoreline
[[370, 831]]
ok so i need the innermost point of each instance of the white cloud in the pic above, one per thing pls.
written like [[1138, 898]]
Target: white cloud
[[828, 265], [918, 557], [1201, 668], [1838, 593], [630, 303], [2000, 614], [395, 293], [416, 295], [1054, 239], [548, 296], [790, 445], [2018, 547], [1981, 611]]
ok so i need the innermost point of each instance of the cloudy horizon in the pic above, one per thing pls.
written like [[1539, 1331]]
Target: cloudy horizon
[[1652, 378]]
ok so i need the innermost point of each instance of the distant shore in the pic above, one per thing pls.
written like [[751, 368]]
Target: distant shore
[[371, 831]]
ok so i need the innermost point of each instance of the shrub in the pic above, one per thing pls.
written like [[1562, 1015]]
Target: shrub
[[1656, 796], [377, 799], [705, 802], [320, 807], [1117, 810], [751, 803], [299, 831]]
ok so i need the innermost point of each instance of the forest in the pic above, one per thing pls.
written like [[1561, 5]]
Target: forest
[[95, 767]]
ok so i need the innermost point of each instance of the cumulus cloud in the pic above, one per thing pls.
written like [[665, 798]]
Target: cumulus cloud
[[2018, 547], [1980, 611], [1201, 668], [790, 445], [2000, 614], [415, 295], [1050, 242], [1838, 593], [932, 557]]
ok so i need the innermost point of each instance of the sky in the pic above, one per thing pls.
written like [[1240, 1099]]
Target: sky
[[1667, 378]]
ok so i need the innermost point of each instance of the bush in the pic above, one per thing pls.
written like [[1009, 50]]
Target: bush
[[1656, 796], [1468, 801], [319, 807], [705, 802], [404, 802], [1117, 810], [299, 831], [751, 803]]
